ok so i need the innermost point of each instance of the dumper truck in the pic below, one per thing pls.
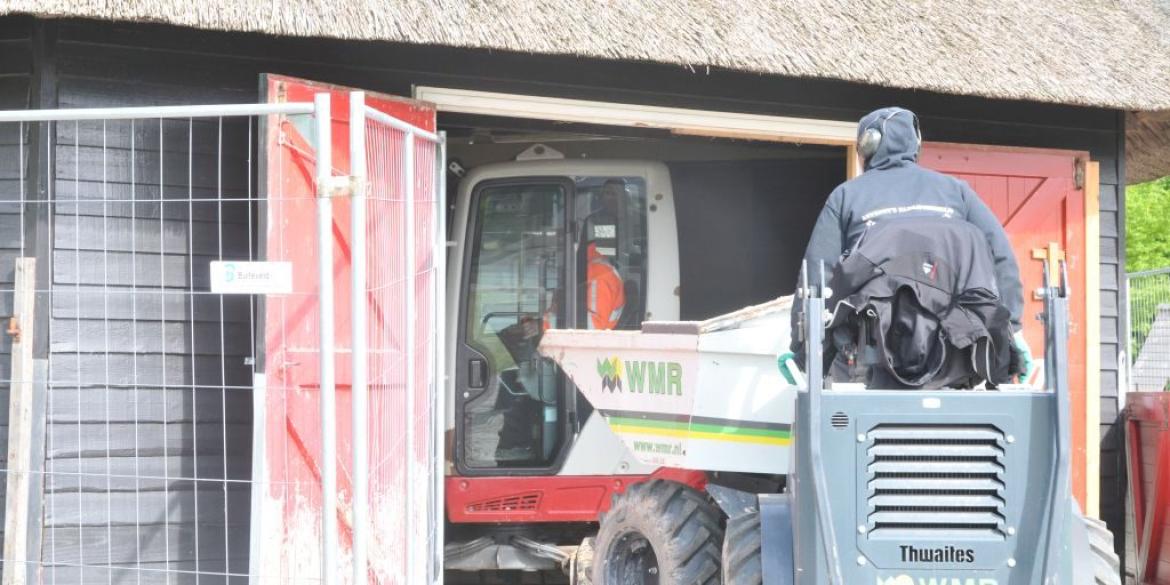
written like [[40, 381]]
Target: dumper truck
[[894, 487]]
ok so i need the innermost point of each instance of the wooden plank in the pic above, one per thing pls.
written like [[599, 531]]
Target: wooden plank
[[145, 543], [141, 305], [183, 440], [125, 235], [1092, 339], [177, 405], [148, 474], [853, 164], [175, 505], [153, 369], [176, 336], [16, 502], [677, 120]]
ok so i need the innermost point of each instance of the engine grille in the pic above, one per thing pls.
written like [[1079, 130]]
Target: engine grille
[[927, 479], [524, 502]]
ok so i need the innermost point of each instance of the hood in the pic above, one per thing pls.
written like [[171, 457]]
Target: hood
[[899, 144]]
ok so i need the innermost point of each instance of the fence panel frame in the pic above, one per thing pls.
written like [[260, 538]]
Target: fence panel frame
[[51, 123], [328, 188], [1142, 318]]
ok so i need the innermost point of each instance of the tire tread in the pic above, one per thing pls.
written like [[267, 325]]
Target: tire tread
[[686, 521]]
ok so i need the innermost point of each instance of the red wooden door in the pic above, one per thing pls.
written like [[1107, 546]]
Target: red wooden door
[[1035, 194], [287, 510]]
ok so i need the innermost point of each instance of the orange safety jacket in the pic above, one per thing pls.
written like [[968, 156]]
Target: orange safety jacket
[[605, 293]]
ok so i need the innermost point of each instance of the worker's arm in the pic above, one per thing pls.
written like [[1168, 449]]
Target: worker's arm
[[824, 245], [1007, 270]]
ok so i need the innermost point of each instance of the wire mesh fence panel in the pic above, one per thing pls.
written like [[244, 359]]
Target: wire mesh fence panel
[[145, 366], [136, 417], [177, 410], [381, 243], [387, 352], [1149, 329], [404, 215]]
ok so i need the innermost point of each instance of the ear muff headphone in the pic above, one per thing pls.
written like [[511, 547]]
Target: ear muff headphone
[[871, 138]]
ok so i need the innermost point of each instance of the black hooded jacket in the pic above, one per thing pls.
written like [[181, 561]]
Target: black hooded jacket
[[913, 307], [893, 185]]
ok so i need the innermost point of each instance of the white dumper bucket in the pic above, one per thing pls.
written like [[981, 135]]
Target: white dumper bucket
[[692, 394]]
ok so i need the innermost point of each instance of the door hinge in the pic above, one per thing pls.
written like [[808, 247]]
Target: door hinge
[[1079, 173]]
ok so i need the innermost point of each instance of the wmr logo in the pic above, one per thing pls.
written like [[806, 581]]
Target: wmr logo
[[908, 580], [610, 371], [642, 377]]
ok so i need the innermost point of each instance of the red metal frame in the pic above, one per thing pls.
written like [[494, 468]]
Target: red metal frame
[[547, 498], [1147, 427]]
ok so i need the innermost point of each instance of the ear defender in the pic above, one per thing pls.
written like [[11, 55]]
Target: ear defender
[[871, 138], [869, 142]]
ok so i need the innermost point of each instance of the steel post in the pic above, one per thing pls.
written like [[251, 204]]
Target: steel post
[[438, 397], [359, 328], [323, 120], [408, 202]]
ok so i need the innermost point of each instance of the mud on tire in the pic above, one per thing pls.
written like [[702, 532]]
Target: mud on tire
[[659, 532]]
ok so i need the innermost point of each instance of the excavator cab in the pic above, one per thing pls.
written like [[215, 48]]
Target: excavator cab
[[524, 272]]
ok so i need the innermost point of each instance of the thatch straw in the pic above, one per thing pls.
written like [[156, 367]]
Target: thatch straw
[[1113, 54]]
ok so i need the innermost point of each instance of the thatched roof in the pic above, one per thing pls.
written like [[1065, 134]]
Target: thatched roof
[[1147, 145], [1113, 54]]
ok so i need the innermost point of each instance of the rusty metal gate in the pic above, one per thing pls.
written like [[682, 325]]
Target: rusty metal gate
[[190, 293]]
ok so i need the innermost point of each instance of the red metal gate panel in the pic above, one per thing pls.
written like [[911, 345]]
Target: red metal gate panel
[[288, 515], [1034, 193], [1147, 433]]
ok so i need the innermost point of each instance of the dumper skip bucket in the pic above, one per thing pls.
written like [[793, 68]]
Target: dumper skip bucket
[[691, 394]]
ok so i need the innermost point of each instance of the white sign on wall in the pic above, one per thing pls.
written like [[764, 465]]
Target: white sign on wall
[[251, 278]]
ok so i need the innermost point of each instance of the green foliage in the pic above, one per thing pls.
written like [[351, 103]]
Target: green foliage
[[1147, 247], [1147, 225]]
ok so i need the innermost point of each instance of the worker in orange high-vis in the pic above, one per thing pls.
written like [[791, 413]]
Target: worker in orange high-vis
[[605, 293]]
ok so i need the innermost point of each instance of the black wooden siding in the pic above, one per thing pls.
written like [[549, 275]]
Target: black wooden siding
[[104, 64], [147, 377]]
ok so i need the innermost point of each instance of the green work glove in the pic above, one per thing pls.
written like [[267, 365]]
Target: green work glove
[[783, 363], [1025, 354]]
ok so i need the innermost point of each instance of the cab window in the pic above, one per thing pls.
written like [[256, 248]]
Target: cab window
[[543, 254], [516, 291]]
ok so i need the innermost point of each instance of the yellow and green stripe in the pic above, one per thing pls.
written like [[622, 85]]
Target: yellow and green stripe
[[698, 427]]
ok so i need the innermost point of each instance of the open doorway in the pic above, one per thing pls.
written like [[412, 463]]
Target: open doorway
[[743, 208]]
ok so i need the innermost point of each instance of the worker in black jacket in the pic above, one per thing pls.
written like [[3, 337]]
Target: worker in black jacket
[[894, 185]]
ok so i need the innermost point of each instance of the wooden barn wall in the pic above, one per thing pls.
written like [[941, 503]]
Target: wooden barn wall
[[106, 64], [149, 401]]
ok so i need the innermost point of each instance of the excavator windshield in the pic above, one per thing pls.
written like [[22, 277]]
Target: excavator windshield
[[530, 270]]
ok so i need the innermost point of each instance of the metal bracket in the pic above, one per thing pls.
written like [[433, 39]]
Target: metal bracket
[[776, 538], [1054, 255], [733, 502]]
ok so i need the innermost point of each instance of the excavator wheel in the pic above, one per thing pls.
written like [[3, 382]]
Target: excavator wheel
[[659, 533]]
